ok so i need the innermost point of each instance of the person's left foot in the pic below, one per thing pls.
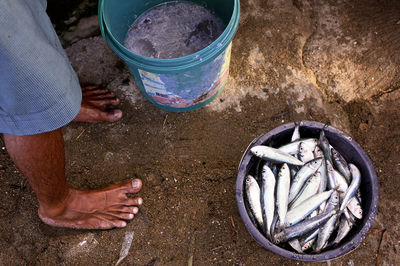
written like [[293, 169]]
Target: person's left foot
[[95, 106]]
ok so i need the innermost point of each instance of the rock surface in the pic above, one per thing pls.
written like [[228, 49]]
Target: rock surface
[[87, 27]]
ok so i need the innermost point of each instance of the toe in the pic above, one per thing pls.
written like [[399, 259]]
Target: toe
[[92, 91], [102, 102], [124, 209], [134, 186], [112, 116], [119, 224], [127, 216], [108, 221], [133, 202], [111, 101], [114, 101], [106, 95], [89, 88]]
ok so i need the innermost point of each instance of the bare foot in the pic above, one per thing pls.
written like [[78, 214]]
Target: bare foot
[[95, 106], [96, 209]]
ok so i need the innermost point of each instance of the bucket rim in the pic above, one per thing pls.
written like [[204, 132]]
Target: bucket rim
[[326, 255], [200, 57]]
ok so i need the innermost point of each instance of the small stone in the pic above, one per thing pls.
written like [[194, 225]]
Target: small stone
[[87, 27], [71, 20], [363, 126]]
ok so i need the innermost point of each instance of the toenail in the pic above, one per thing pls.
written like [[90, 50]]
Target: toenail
[[117, 113], [123, 224], [135, 184], [140, 201], [135, 210], [130, 216]]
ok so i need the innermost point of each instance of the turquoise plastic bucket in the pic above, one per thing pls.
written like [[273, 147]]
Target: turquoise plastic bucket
[[180, 84]]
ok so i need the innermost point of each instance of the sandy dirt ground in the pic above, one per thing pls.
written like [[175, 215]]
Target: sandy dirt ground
[[335, 62]]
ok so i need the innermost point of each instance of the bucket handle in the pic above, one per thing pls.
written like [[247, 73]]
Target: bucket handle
[[100, 17]]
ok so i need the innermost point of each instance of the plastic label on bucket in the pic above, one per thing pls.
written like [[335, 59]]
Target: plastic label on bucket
[[190, 87]]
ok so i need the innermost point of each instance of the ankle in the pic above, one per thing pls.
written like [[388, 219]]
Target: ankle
[[55, 207]]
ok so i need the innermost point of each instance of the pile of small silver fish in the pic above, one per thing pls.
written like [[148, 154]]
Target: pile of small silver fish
[[306, 194]]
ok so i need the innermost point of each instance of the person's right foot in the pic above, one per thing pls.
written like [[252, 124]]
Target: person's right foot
[[97, 209]]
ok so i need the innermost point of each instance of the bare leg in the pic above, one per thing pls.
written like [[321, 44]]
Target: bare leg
[[41, 159]]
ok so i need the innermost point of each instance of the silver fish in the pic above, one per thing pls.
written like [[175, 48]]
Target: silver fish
[[305, 153], [272, 154], [310, 236], [326, 230], [349, 216], [358, 195], [267, 198], [308, 240], [282, 193], [293, 172], [341, 183], [250, 212], [354, 207], [310, 188], [296, 132], [310, 197], [253, 197], [303, 227], [313, 214], [353, 187], [301, 177], [325, 146], [274, 226], [295, 244], [324, 180], [307, 245], [344, 228], [293, 147], [301, 211], [331, 175], [318, 152], [274, 169], [341, 165]]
